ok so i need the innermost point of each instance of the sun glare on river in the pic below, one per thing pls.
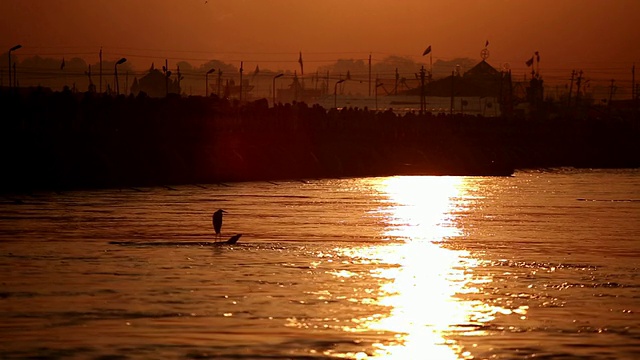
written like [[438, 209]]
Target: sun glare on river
[[420, 286]]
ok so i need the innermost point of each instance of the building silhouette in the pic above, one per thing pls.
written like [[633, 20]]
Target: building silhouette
[[156, 84]]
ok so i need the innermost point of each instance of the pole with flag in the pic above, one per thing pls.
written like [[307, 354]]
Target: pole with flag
[[425, 52], [529, 63], [301, 71], [423, 95], [301, 64], [537, 63]]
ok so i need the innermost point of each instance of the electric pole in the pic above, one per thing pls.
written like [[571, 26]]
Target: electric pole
[[573, 74]]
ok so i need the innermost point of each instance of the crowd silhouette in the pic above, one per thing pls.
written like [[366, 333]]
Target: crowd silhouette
[[62, 140]]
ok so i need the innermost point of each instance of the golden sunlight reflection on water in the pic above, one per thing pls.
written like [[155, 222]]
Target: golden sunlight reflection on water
[[420, 287]]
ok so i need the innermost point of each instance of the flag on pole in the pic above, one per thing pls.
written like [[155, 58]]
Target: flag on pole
[[529, 62], [427, 51], [486, 44], [537, 56], [301, 64], [62, 65]]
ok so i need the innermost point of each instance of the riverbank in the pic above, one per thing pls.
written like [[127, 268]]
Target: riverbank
[[64, 141]]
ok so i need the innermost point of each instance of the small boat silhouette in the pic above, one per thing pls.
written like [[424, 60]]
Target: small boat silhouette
[[232, 240]]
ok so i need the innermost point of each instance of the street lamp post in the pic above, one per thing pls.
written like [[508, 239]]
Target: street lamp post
[[423, 96], [122, 60], [274, 87], [335, 93], [206, 80], [10, 50], [378, 84]]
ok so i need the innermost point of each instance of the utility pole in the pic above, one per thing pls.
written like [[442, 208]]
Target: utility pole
[[509, 94], [452, 90], [100, 70], [634, 92], [327, 83], [369, 74], [423, 102], [430, 66], [92, 87], [573, 74], [166, 76], [578, 81], [611, 90], [397, 79], [241, 70], [633, 82]]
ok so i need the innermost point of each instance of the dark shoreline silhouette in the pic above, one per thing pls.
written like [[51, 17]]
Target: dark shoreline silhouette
[[61, 140]]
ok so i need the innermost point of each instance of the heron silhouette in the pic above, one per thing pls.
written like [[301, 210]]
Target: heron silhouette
[[217, 221]]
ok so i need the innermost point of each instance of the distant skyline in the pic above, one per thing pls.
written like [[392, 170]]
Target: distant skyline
[[599, 37]]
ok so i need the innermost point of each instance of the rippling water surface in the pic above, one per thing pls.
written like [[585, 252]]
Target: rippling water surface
[[538, 265]]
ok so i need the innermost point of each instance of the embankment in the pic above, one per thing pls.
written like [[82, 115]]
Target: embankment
[[65, 141]]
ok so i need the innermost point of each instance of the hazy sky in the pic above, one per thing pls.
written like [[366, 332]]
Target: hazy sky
[[580, 34]]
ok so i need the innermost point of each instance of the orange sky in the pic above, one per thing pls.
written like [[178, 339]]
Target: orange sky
[[570, 34]]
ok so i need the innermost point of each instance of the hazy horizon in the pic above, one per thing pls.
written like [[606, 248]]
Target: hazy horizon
[[589, 35]]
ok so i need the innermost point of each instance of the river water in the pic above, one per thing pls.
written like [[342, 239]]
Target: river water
[[540, 265]]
